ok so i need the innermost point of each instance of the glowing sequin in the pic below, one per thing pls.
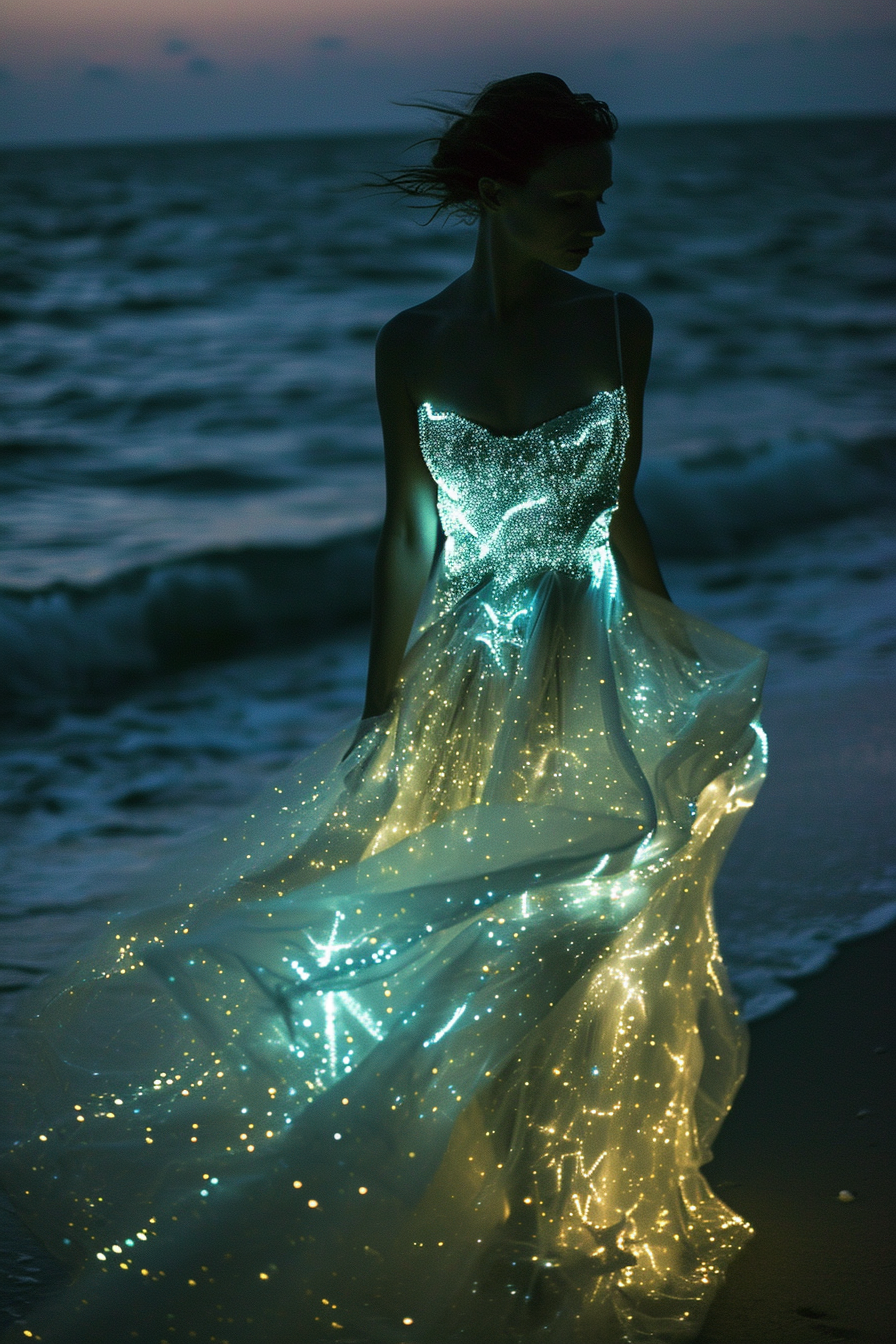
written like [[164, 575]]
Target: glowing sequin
[[432, 1044], [514, 506]]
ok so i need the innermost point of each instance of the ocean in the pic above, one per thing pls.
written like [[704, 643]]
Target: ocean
[[191, 477]]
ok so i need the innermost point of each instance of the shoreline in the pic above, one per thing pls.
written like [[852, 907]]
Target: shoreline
[[821, 826], [815, 1116], [817, 1110], [816, 1113]]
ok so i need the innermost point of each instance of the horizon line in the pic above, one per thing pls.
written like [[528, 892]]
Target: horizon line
[[347, 133]]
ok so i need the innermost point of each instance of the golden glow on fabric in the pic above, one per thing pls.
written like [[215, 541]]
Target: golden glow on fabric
[[432, 1044]]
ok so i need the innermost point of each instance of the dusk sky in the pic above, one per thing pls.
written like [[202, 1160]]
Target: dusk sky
[[91, 70]]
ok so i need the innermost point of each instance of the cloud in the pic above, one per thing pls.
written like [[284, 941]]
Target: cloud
[[321, 79], [194, 62], [103, 74]]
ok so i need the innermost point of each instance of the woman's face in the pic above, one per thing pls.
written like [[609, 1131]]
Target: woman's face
[[554, 217]]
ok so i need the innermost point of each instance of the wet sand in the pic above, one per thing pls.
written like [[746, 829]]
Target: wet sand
[[816, 1114]]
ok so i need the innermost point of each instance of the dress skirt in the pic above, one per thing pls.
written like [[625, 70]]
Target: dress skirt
[[431, 1043]]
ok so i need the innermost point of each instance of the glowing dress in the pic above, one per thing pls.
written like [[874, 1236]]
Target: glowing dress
[[430, 1047]]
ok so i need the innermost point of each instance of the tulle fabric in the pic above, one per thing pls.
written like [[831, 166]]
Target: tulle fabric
[[431, 1044]]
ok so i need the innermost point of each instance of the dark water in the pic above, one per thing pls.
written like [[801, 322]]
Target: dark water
[[190, 473]]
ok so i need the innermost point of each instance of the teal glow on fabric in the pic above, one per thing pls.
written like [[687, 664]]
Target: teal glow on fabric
[[431, 1042]]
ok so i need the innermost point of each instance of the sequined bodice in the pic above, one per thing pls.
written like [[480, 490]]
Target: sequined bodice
[[515, 505]]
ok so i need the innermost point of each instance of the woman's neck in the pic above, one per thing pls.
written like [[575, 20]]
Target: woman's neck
[[503, 281]]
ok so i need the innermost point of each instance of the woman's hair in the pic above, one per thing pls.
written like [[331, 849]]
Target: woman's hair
[[508, 131]]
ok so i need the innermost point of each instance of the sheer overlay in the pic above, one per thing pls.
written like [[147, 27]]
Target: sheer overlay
[[431, 1044]]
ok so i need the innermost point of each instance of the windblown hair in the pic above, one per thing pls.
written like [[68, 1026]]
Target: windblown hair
[[507, 132]]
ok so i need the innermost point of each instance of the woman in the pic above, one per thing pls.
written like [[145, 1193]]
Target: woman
[[432, 1045]]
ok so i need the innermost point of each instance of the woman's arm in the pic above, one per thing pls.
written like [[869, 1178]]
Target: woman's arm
[[628, 531], [408, 540]]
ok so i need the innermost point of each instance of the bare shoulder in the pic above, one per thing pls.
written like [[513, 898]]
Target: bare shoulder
[[636, 339], [406, 336], [634, 317], [632, 313], [400, 346], [398, 336], [594, 305]]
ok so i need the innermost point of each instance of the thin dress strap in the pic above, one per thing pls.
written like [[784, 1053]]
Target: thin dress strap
[[618, 337]]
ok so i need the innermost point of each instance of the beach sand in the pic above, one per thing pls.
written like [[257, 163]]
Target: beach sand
[[815, 1117], [816, 1114]]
